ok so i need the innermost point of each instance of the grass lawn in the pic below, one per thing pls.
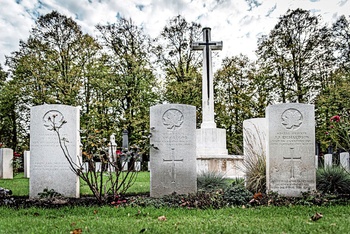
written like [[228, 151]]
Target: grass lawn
[[20, 185], [136, 220], [110, 219]]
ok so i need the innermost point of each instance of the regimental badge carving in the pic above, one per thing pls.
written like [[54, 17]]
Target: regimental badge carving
[[173, 119], [53, 119], [292, 119]]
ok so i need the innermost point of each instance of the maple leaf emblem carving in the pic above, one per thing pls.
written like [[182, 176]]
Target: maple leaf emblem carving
[[292, 119], [173, 118]]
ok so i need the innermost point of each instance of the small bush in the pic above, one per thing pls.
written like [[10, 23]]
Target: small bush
[[210, 181], [333, 180], [49, 194], [237, 195]]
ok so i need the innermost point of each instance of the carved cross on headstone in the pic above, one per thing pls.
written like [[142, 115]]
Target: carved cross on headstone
[[292, 160], [173, 160], [207, 81]]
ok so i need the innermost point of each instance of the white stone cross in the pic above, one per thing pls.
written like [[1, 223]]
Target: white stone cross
[[207, 78], [292, 159], [173, 161]]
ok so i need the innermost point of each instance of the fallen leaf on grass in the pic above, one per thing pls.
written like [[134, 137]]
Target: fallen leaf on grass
[[95, 211], [77, 231], [316, 216], [162, 218]]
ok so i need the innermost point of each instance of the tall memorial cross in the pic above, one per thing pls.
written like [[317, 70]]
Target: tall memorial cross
[[292, 159], [207, 78], [173, 160]]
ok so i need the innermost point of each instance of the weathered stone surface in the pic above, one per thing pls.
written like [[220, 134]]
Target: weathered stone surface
[[49, 169], [26, 163], [344, 161], [328, 160], [173, 158], [254, 137], [6, 168], [291, 148]]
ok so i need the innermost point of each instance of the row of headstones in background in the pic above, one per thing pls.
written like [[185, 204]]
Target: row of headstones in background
[[98, 165], [6, 169], [344, 160], [125, 167]]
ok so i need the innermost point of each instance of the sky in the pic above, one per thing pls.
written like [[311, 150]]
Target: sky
[[238, 23]]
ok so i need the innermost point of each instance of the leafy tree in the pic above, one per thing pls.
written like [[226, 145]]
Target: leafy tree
[[130, 86], [297, 52], [50, 64], [341, 40], [333, 100], [262, 96], [180, 63], [54, 65], [234, 104]]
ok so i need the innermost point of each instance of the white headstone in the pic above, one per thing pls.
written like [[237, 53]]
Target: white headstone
[[344, 161], [254, 136], [291, 149], [316, 161], [6, 168], [26, 159], [137, 166], [112, 153], [173, 158], [328, 161], [49, 168]]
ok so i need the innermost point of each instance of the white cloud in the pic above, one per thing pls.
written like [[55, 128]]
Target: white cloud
[[237, 23]]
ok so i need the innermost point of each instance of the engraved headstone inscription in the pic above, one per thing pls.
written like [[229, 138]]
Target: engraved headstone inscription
[[173, 155], [49, 169], [290, 162]]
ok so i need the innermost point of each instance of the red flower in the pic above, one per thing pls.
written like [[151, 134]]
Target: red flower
[[327, 133], [335, 118]]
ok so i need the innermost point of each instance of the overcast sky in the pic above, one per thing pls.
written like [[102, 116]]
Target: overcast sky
[[238, 23]]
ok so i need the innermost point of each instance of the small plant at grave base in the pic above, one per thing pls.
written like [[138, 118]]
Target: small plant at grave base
[[209, 181], [237, 194], [199, 200], [111, 181], [238, 181], [333, 180], [49, 194]]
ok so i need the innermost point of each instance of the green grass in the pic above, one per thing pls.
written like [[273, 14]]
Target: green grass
[[20, 185], [109, 219], [132, 220]]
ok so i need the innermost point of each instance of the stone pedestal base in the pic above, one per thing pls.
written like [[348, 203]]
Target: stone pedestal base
[[211, 142], [230, 166], [212, 155]]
